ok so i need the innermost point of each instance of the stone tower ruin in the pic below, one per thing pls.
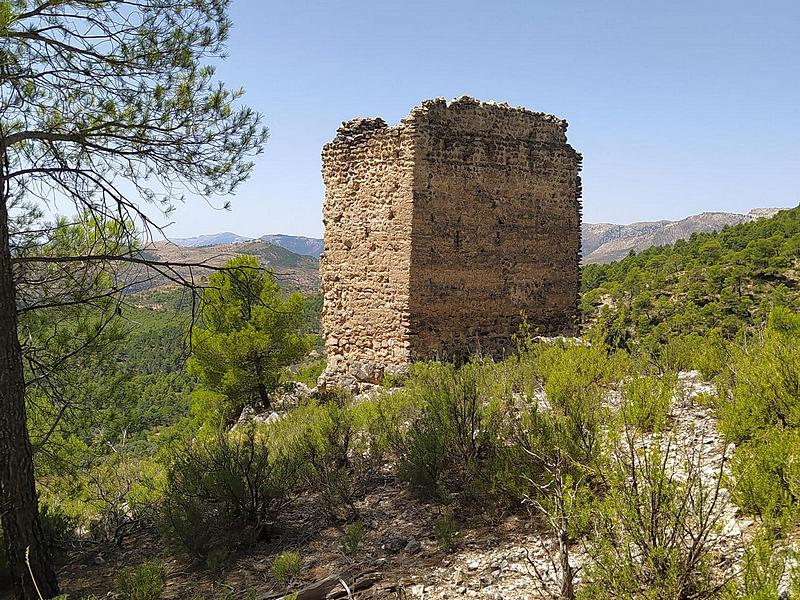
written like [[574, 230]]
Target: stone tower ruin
[[441, 231]]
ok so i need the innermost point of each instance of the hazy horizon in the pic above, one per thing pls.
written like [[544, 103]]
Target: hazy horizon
[[288, 233]]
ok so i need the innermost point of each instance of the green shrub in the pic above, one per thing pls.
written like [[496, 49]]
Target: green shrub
[[647, 401], [711, 355], [124, 491], [353, 536], [765, 565], [760, 386], [379, 420], [653, 529], [445, 530], [453, 438], [669, 353], [226, 491], [326, 447], [759, 410], [286, 566], [394, 380], [309, 371], [709, 400], [563, 387], [332, 443], [569, 370], [766, 473], [143, 582]]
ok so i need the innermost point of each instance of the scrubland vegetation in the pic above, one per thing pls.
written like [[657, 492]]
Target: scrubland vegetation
[[120, 421], [574, 433]]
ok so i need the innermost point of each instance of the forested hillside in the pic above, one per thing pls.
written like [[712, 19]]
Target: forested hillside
[[608, 242], [726, 282]]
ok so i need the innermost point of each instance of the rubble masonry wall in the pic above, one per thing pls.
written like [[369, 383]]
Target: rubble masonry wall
[[496, 227], [364, 271], [441, 230]]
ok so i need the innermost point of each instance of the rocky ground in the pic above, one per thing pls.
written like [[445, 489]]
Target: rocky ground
[[494, 555]]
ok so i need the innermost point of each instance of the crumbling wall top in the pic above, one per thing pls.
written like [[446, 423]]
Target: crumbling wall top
[[490, 118], [468, 102], [357, 130]]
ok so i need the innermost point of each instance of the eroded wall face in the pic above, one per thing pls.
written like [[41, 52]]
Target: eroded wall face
[[367, 171], [496, 227]]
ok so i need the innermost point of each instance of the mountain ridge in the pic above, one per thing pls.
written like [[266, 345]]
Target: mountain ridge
[[299, 244], [292, 271], [210, 239], [607, 242], [600, 242]]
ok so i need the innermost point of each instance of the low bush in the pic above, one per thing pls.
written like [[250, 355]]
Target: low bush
[[453, 437], [711, 355], [227, 490], [353, 536], [143, 582], [122, 493], [445, 530], [766, 473], [759, 410], [647, 401], [309, 371], [760, 389], [666, 353], [561, 417], [286, 566], [653, 529], [336, 454], [568, 370], [379, 420], [766, 565], [326, 446], [59, 529]]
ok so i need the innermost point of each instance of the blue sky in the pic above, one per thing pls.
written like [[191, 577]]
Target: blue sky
[[678, 107]]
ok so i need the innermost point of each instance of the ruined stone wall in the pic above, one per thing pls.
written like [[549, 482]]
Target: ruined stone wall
[[364, 271], [496, 226], [439, 231]]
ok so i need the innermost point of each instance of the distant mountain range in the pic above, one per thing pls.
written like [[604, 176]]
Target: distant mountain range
[[305, 246], [211, 239], [298, 244], [601, 242], [293, 271], [607, 242]]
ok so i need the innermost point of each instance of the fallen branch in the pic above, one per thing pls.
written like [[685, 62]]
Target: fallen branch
[[360, 583], [322, 589]]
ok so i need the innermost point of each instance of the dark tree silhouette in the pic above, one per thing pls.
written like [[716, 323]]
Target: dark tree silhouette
[[107, 106]]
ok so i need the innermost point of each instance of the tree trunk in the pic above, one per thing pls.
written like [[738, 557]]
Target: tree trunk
[[22, 531], [263, 395], [567, 591]]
